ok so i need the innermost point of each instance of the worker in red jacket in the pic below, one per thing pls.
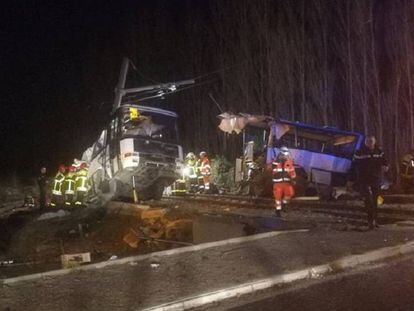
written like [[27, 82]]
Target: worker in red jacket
[[205, 170], [283, 173]]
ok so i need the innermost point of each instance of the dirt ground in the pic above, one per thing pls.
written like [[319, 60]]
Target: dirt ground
[[33, 241]]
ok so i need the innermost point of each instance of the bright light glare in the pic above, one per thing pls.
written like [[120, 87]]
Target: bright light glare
[[186, 171]]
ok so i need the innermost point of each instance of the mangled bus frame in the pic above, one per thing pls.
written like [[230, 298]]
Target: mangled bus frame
[[322, 155]]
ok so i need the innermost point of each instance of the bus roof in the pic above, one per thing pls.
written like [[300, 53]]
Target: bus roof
[[325, 129], [241, 120]]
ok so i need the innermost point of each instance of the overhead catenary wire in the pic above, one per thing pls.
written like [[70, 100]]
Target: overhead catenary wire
[[167, 93], [132, 100]]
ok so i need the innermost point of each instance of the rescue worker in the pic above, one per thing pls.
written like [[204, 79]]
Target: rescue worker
[[57, 197], [407, 171], [43, 182], [81, 183], [200, 182], [283, 174], [367, 167], [191, 171], [205, 171], [69, 185]]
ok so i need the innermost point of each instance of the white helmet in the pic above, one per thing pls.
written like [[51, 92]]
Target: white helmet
[[202, 154], [284, 150], [190, 155]]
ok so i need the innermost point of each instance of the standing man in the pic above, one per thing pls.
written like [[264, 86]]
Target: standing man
[[43, 184], [81, 184], [283, 172], [190, 166], [367, 167], [205, 170], [57, 197], [69, 185]]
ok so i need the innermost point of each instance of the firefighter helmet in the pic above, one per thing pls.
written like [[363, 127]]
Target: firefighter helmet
[[62, 168], [284, 150], [190, 155], [203, 154]]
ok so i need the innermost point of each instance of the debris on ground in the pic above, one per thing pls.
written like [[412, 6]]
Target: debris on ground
[[74, 260], [131, 239]]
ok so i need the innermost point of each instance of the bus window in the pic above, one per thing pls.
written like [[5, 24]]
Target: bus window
[[151, 125]]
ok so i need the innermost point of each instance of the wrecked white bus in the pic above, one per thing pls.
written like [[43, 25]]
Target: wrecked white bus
[[138, 154], [322, 155], [138, 150]]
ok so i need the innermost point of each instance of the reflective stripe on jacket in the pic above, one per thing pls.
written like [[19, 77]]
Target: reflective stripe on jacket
[[57, 184], [69, 183], [81, 183], [205, 167], [82, 180], [367, 165], [283, 170]]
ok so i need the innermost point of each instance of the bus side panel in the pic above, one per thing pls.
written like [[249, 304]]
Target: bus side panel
[[313, 160]]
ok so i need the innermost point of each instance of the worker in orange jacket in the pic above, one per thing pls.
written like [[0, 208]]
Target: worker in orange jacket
[[283, 174], [205, 170]]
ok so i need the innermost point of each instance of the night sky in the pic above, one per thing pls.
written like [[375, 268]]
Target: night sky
[[301, 60], [60, 62]]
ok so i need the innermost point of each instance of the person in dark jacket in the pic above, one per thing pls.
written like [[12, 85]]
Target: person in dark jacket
[[43, 182], [367, 168]]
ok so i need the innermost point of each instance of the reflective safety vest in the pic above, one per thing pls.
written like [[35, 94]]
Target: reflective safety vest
[[57, 184], [192, 171], [283, 170], [82, 180], [69, 183]]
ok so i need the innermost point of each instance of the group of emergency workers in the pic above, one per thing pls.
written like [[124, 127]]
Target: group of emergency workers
[[197, 173], [70, 185]]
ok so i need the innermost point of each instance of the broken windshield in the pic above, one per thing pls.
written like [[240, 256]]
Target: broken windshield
[[152, 125]]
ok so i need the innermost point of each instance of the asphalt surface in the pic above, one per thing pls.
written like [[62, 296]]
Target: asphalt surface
[[157, 280], [389, 287], [154, 281]]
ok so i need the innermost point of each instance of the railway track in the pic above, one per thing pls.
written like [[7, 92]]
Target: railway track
[[351, 210]]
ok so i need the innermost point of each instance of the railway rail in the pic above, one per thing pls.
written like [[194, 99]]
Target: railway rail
[[351, 210]]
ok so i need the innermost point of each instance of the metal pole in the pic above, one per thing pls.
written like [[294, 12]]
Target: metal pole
[[119, 89]]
